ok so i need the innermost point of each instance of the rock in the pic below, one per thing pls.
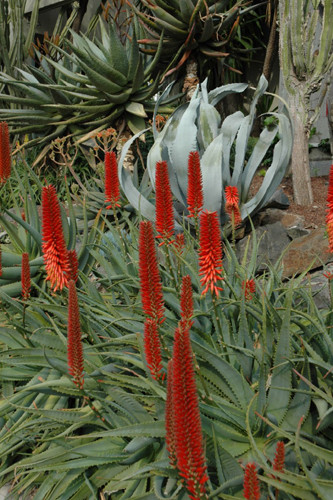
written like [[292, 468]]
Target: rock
[[272, 240], [293, 223], [307, 252], [278, 200]]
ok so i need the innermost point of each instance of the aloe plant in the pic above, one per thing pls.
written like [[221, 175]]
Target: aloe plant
[[92, 85], [196, 126]]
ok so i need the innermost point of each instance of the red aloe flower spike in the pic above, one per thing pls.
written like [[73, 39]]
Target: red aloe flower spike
[[329, 210], [186, 300], [249, 288], [187, 424], [278, 463], [73, 266], [179, 243], [151, 286], [232, 205], [54, 246], [251, 483], [210, 255], [74, 344], [112, 192], [170, 437], [164, 206], [194, 188], [152, 346], [25, 276], [5, 158]]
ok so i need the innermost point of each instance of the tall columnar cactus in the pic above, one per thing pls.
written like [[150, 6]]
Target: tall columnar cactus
[[306, 58]]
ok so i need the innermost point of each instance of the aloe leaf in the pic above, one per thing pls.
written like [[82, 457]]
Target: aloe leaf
[[260, 149], [280, 391], [215, 96], [208, 124], [132, 194], [229, 129], [211, 169], [185, 141]]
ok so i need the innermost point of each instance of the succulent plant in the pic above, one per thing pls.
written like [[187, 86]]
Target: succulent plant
[[198, 29], [196, 126], [88, 89]]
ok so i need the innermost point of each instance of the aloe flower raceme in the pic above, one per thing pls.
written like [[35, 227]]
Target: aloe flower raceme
[[232, 205], [210, 255], [164, 206], [74, 343], [5, 159], [54, 246], [73, 265], [112, 192], [25, 276], [152, 347], [170, 437], [189, 443], [194, 187], [179, 243], [329, 210], [186, 300], [251, 483], [249, 288], [151, 286], [278, 463]]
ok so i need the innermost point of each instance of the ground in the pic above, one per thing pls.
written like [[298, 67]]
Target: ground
[[314, 215]]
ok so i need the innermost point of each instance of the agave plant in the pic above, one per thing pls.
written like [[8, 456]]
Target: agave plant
[[192, 29], [89, 88], [196, 126]]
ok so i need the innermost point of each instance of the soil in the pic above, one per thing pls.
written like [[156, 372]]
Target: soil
[[314, 215]]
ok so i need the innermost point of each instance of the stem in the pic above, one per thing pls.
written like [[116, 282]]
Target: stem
[[218, 322], [170, 266], [119, 229]]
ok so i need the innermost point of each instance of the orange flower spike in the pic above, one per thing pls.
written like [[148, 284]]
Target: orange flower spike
[[210, 255], [189, 441], [249, 288], [153, 349], [170, 437], [278, 463], [186, 300], [5, 156], [54, 247], [194, 188], [73, 265], [74, 343], [329, 210], [232, 205], [164, 205], [150, 280], [25, 276], [251, 483], [112, 192]]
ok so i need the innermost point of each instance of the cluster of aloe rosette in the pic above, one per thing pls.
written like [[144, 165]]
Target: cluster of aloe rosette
[[168, 369]]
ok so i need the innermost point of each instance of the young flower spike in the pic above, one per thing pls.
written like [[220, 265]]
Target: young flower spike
[[251, 483], [170, 437], [232, 205], [194, 186], [112, 193], [249, 288], [278, 463], [151, 286], [5, 158], [74, 344], [164, 206], [25, 276], [189, 443], [186, 300], [73, 266], [210, 255], [152, 347], [329, 210], [54, 246]]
